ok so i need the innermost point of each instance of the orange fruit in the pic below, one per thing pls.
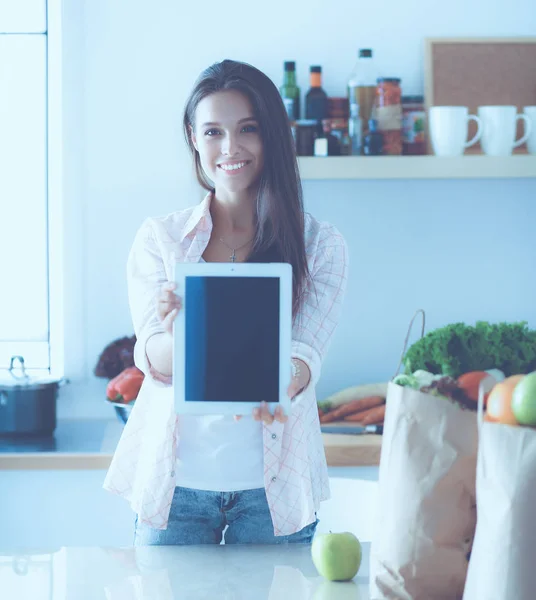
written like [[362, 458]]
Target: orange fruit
[[499, 408]]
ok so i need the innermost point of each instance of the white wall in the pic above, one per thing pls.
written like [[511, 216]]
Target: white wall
[[463, 249]]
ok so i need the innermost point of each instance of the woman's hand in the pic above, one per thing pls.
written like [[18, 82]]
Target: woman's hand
[[300, 380], [168, 305], [299, 383]]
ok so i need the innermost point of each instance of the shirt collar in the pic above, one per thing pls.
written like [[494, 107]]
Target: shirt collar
[[200, 218]]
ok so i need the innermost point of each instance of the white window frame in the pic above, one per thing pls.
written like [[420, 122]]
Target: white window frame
[[53, 198]]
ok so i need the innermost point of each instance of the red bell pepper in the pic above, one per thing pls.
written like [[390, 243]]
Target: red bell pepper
[[125, 387]]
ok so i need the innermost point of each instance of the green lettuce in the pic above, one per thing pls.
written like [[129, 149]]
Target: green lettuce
[[459, 348]]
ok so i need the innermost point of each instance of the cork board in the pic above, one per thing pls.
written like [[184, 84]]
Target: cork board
[[477, 71]]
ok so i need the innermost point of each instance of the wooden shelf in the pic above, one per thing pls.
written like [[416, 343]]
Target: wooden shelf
[[417, 167]]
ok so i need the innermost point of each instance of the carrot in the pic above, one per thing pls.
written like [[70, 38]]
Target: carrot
[[371, 416], [352, 407], [353, 393]]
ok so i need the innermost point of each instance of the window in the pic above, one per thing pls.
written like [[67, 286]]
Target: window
[[24, 183]]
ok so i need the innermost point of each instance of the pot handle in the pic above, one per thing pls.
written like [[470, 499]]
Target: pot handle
[[22, 367]]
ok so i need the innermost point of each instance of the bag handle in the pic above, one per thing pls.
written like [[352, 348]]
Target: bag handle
[[420, 310], [484, 387]]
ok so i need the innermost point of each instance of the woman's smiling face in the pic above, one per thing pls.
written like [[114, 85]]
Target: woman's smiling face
[[227, 136]]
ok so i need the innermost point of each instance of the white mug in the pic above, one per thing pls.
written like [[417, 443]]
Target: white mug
[[530, 111], [448, 130], [499, 129]]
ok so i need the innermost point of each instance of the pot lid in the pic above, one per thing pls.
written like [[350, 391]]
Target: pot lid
[[17, 376]]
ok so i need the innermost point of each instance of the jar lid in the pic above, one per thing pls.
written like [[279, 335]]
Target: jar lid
[[388, 80], [365, 53], [316, 69], [412, 99]]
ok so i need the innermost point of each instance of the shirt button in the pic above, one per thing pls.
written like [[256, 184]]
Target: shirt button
[[274, 436], [172, 473], [274, 478]]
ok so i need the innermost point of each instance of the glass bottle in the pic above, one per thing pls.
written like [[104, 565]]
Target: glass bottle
[[373, 141], [290, 92], [362, 84], [316, 100], [355, 131]]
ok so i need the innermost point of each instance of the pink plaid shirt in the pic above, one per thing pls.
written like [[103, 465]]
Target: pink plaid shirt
[[295, 471]]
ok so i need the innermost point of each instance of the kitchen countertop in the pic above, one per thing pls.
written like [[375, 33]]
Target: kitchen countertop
[[169, 572], [90, 444]]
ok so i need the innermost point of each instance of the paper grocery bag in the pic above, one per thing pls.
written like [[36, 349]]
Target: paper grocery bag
[[426, 513], [503, 560]]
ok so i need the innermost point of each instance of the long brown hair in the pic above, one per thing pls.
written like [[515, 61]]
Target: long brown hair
[[279, 210]]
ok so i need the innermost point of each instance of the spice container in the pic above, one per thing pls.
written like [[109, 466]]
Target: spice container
[[413, 118], [321, 146], [306, 132], [388, 114], [336, 130]]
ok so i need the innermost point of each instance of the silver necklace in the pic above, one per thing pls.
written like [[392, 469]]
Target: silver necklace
[[233, 255]]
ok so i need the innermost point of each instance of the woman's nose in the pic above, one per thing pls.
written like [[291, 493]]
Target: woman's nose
[[229, 145]]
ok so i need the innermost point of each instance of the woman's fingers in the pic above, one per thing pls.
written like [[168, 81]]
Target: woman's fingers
[[262, 413], [168, 304], [280, 415], [167, 322]]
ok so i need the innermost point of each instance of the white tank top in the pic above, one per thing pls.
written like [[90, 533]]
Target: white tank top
[[217, 453]]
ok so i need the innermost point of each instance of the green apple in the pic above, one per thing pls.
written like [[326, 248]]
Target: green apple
[[336, 556], [524, 400]]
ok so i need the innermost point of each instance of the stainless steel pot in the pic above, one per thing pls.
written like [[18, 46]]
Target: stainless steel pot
[[27, 404]]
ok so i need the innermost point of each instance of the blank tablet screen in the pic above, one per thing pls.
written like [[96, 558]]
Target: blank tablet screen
[[232, 339]]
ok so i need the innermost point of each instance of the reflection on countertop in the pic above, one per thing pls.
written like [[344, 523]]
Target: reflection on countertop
[[90, 444], [70, 436], [76, 443], [174, 572]]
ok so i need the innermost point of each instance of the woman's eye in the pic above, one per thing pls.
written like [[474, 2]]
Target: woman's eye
[[250, 128], [211, 132]]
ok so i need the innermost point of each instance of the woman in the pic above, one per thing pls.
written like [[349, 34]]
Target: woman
[[262, 478]]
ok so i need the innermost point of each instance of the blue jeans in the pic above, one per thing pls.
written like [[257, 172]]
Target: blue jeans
[[199, 517]]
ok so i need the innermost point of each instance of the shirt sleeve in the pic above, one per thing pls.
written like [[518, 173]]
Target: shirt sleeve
[[321, 303], [145, 274]]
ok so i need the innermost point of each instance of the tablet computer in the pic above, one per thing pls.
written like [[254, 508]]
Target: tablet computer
[[232, 338]]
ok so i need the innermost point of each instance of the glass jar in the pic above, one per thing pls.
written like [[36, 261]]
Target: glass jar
[[413, 121], [388, 114]]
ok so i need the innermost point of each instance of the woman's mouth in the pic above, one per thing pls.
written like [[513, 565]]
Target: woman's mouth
[[234, 167]]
